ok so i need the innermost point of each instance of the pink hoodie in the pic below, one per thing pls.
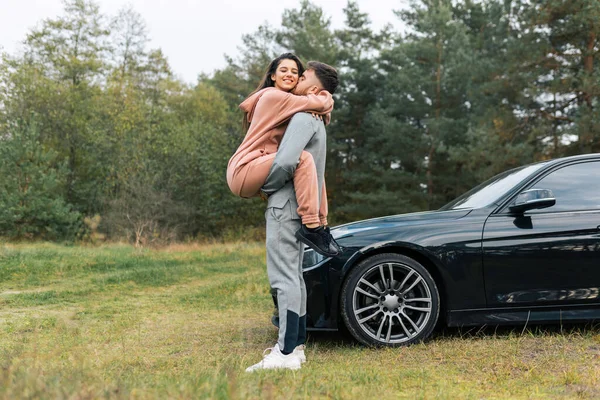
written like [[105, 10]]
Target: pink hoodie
[[269, 111]]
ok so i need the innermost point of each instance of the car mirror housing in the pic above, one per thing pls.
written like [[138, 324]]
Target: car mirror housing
[[312, 259], [533, 199]]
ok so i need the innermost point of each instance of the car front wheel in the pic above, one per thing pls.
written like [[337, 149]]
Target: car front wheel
[[390, 300]]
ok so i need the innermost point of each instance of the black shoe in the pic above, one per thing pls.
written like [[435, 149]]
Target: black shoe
[[318, 240], [333, 241]]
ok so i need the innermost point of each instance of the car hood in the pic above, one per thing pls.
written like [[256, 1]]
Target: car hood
[[393, 221]]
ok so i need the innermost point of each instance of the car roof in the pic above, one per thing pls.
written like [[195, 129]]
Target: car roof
[[553, 162], [579, 157]]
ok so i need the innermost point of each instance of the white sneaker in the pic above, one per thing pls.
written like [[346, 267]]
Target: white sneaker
[[276, 359], [299, 352]]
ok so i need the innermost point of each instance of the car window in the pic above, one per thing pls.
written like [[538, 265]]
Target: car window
[[575, 187], [492, 189]]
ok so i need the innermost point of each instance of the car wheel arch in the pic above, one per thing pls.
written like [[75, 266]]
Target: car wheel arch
[[408, 250]]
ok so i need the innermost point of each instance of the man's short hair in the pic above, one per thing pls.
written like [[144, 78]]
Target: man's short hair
[[326, 74]]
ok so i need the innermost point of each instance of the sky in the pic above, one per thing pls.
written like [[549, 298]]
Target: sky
[[193, 34]]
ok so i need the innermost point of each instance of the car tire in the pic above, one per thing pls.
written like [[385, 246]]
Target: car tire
[[390, 300]]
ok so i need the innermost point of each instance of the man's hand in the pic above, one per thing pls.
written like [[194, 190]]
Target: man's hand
[[263, 195], [317, 116]]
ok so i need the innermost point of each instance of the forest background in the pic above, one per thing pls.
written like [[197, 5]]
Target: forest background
[[100, 141]]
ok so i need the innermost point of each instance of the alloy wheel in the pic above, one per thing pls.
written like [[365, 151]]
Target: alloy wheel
[[391, 301]]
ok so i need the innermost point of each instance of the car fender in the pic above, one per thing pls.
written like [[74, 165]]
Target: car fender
[[419, 253], [381, 247]]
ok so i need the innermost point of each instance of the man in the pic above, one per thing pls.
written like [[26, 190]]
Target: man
[[284, 251]]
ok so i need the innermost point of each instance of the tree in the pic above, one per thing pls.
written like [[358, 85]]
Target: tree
[[307, 32], [564, 74], [31, 202], [130, 38], [499, 134], [143, 214], [69, 52], [358, 171]]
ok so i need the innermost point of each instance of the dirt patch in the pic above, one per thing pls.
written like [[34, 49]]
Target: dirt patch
[[11, 292], [68, 316], [583, 391]]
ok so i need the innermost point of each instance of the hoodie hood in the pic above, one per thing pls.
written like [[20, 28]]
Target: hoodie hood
[[249, 104]]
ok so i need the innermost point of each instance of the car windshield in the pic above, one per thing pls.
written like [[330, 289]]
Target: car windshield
[[493, 189]]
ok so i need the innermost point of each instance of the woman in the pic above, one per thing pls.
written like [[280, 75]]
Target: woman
[[266, 112]]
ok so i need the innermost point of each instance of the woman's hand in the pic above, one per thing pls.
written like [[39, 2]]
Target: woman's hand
[[317, 116]]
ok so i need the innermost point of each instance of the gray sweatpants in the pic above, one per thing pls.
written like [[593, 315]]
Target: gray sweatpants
[[284, 251]]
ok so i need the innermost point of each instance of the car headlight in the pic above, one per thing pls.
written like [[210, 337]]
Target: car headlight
[[311, 258]]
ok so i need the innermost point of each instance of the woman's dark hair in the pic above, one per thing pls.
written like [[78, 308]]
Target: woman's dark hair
[[268, 82]]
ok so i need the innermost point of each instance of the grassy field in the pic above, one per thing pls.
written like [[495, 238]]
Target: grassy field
[[184, 322]]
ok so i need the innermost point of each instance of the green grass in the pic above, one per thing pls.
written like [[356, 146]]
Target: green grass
[[184, 322]]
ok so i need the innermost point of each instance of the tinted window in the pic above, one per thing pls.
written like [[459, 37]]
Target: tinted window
[[492, 189], [576, 187]]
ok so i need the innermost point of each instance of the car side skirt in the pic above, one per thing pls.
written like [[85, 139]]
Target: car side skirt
[[521, 315]]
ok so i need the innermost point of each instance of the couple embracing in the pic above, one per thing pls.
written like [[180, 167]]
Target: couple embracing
[[282, 160]]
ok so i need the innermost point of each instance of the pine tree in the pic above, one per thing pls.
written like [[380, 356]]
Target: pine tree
[[307, 33], [498, 136], [358, 166], [426, 99], [565, 74], [31, 202], [70, 52]]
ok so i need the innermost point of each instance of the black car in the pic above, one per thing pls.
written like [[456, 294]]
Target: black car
[[523, 247]]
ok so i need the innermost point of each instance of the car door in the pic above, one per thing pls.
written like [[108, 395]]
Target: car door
[[547, 256]]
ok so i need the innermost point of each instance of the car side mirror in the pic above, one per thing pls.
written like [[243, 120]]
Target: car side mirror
[[533, 199]]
